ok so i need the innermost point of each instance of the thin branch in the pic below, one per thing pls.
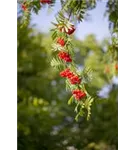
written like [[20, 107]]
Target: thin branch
[[70, 14]]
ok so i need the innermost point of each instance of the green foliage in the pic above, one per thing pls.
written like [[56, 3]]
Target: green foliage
[[57, 63], [56, 47], [44, 119], [32, 6], [25, 19], [45, 122], [87, 74], [78, 10], [112, 11], [75, 8], [70, 101], [86, 105]]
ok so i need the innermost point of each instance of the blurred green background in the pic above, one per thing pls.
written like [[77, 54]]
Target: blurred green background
[[45, 121]]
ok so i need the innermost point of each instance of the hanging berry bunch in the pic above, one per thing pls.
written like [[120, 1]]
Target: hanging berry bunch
[[64, 62], [63, 48]]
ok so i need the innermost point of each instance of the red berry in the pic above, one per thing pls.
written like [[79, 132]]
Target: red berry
[[64, 73], [68, 59], [70, 75], [70, 31], [75, 80], [75, 91], [45, 1], [61, 41], [67, 70], [24, 7], [78, 94], [116, 67], [65, 56]]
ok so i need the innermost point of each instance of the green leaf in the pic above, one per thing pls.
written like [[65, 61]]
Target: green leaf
[[76, 108], [54, 35], [57, 47], [70, 100], [54, 24], [77, 116], [88, 104], [56, 63], [67, 85]]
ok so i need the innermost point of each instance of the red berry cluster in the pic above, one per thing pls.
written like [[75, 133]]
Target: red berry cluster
[[61, 41], [65, 56], [45, 1], [24, 7], [67, 73], [78, 94], [73, 78]]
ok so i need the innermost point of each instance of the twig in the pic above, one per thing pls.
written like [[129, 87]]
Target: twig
[[70, 14]]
